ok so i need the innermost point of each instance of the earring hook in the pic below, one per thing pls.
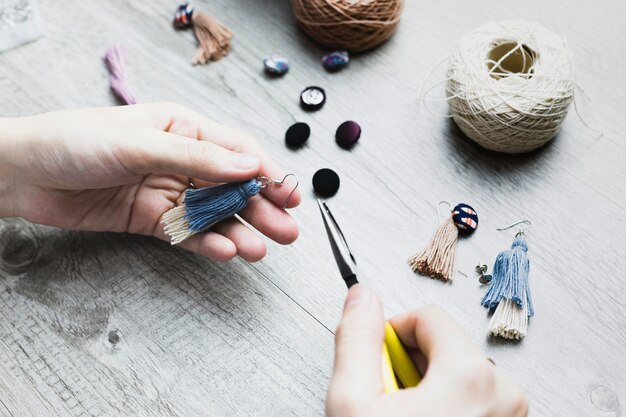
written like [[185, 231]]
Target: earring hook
[[527, 224], [439, 204], [265, 181]]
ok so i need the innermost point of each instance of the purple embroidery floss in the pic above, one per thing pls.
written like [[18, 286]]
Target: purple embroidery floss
[[115, 63]]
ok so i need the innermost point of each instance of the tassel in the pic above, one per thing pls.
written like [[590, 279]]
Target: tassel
[[509, 292], [204, 207], [213, 37], [437, 260], [115, 63]]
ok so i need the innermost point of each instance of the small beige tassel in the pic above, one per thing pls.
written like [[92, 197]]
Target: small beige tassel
[[213, 37], [438, 258]]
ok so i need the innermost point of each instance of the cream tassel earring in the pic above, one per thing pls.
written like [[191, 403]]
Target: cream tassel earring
[[437, 260]]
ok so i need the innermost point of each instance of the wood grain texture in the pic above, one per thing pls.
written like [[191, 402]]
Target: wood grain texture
[[102, 324]]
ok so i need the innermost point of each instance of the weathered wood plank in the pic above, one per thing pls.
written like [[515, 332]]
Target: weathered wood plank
[[59, 315]]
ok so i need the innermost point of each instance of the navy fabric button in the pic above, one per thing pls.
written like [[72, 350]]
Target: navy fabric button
[[334, 61], [276, 64], [297, 134], [326, 182], [348, 134], [465, 218], [312, 98]]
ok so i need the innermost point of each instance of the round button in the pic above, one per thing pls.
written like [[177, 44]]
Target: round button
[[326, 182], [334, 61], [312, 98], [297, 134], [348, 134], [465, 218], [276, 64]]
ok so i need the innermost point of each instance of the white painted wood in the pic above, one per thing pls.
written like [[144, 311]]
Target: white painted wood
[[197, 338]]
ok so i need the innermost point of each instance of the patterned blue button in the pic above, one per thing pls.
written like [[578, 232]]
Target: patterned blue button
[[465, 217], [276, 64]]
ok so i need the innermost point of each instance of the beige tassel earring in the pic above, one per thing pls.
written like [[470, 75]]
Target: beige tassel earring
[[437, 260], [213, 37]]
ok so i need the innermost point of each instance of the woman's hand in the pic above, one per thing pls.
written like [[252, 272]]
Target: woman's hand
[[120, 169], [458, 379]]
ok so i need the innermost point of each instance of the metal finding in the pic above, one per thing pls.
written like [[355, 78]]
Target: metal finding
[[527, 224], [265, 181], [439, 204]]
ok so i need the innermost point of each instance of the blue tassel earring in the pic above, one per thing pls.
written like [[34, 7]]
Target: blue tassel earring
[[508, 295], [204, 207]]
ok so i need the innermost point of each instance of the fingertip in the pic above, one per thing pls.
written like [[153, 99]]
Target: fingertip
[[289, 233], [253, 255], [215, 247]]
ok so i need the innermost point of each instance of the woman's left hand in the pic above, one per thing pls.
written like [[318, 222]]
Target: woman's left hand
[[120, 169]]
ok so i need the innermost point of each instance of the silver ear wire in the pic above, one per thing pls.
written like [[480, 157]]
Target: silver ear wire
[[439, 204], [265, 181], [527, 224]]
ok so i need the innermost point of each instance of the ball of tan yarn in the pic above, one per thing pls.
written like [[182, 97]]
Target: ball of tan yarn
[[353, 25], [510, 85]]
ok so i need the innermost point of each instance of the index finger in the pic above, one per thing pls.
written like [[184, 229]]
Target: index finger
[[188, 122], [434, 332]]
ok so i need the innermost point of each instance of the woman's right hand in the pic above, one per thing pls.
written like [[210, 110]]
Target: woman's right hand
[[458, 379]]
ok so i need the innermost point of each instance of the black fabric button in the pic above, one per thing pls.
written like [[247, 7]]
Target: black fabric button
[[297, 134], [326, 182], [312, 98], [348, 134]]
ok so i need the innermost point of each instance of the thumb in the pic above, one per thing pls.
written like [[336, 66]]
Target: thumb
[[197, 159], [358, 344]]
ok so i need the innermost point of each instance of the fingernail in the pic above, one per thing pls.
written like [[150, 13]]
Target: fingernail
[[359, 294], [245, 161]]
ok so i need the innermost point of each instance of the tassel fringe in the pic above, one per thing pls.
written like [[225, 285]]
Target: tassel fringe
[[509, 295], [176, 225], [438, 259], [205, 207], [509, 320], [213, 37]]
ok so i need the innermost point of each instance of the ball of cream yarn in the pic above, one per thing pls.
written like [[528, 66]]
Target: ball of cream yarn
[[510, 85], [353, 25]]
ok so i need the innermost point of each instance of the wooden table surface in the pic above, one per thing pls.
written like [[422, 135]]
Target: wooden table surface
[[96, 324]]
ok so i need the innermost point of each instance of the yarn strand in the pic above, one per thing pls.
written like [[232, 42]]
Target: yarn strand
[[437, 260], [115, 63]]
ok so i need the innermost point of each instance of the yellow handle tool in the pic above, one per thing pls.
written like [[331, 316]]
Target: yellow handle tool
[[390, 384], [400, 360]]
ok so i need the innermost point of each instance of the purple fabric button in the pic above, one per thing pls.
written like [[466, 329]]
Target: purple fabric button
[[348, 134]]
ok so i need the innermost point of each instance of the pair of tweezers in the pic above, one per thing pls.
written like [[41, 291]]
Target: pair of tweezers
[[395, 359]]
